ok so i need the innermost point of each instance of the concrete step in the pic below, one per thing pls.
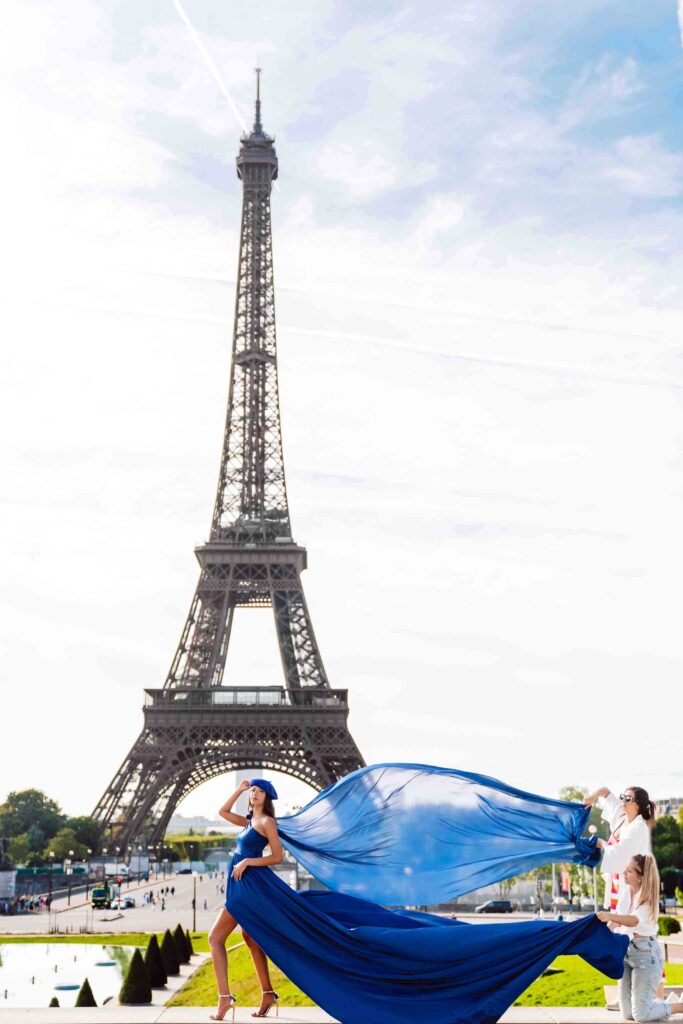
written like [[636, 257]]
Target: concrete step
[[293, 1015]]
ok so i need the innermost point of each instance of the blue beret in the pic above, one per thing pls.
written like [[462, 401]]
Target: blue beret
[[266, 786]]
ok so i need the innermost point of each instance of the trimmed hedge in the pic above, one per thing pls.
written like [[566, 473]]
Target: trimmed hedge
[[136, 989], [53, 1002], [85, 996], [169, 955], [155, 964], [190, 947], [669, 925], [180, 947]]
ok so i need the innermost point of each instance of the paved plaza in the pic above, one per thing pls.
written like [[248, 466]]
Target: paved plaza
[[296, 1015]]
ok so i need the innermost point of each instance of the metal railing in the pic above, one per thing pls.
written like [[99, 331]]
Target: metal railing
[[244, 696]]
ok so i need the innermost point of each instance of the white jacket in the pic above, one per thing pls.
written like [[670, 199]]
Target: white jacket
[[634, 837]]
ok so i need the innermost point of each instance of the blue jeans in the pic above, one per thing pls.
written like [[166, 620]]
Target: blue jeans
[[642, 974]]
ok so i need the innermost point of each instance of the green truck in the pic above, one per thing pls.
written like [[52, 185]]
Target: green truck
[[104, 895]]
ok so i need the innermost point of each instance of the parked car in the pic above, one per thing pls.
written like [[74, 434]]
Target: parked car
[[119, 904], [494, 907], [128, 901], [185, 871]]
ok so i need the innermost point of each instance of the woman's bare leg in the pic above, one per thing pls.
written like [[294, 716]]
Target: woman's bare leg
[[221, 928], [261, 964]]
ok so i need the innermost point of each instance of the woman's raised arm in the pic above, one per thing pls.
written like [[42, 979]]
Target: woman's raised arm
[[226, 810]]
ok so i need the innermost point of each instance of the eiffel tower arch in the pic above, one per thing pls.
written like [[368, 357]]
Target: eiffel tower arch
[[196, 727]]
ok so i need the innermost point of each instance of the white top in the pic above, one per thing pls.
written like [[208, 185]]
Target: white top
[[645, 926], [634, 837]]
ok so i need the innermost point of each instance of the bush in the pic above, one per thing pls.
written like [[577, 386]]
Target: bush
[[136, 989], [85, 996], [669, 925], [168, 954], [155, 964], [678, 893], [180, 947], [190, 947], [53, 1002]]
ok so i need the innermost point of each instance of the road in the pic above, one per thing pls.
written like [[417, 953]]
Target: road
[[80, 916]]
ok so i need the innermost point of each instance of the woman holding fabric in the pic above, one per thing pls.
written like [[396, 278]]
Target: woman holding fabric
[[397, 835], [636, 916], [630, 817]]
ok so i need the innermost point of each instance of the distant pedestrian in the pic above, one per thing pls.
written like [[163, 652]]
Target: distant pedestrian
[[163, 904]]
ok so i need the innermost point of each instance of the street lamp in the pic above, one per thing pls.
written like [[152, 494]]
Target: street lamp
[[592, 830], [194, 901], [87, 874], [71, 868], [51, 858]]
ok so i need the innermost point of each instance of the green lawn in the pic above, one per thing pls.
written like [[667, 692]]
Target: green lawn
[[577, 984], [201, 989], [199, 939]]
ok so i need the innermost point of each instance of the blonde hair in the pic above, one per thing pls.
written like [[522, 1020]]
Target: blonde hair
[[648, 894]]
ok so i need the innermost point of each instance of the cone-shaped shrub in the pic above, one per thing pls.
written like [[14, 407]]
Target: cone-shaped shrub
[[136, 989], [190, 947], [169, 955], [54, 1001], [154, 964], [180, 947], [85, 996]]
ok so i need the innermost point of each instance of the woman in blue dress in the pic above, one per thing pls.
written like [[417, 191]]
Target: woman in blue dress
[[259, 830], [387, 832]]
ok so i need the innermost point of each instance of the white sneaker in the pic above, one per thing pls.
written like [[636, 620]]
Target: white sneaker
[[673, 998], [612, 1006]]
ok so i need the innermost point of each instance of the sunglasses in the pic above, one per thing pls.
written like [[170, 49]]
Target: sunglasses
[[626, 798]]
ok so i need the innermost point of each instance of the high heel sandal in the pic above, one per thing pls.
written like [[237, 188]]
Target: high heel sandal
[[273, 1002], [231, 1006]]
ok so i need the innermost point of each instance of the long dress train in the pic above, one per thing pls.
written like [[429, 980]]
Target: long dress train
[[365, 964]]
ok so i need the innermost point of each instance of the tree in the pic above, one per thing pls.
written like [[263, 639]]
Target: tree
[[168, 954], [666, 842], [36, 838], [155, 964], [54, 1001], [136, 989], [180, 946], [85, 996], [27, 807], [576, 795], [63, 843], [19, 849], [88, 832]]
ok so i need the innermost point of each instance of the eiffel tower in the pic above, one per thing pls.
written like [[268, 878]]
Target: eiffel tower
[[195, 727]]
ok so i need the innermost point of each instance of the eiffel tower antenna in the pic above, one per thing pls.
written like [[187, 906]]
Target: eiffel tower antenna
[[196, 727]]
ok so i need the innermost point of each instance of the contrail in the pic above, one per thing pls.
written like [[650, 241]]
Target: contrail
[[211, 66]]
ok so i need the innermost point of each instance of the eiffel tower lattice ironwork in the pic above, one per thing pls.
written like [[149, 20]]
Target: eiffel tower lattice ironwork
[[195, 728]]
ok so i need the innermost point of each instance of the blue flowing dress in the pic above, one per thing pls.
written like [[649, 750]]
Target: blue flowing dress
[[365, 964]]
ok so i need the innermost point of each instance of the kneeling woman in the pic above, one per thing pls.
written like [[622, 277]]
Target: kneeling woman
[[260, 829], [636, 917]]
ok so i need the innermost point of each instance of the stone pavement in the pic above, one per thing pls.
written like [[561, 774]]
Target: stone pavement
[[295, 1015]]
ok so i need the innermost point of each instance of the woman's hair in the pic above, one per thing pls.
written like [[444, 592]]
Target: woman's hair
[[648, 894], [645, 806], [268, 807]]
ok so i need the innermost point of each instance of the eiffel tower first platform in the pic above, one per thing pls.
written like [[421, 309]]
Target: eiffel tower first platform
[[195, 727]]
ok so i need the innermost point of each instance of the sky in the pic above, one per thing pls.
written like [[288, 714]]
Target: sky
[[477, 242]]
